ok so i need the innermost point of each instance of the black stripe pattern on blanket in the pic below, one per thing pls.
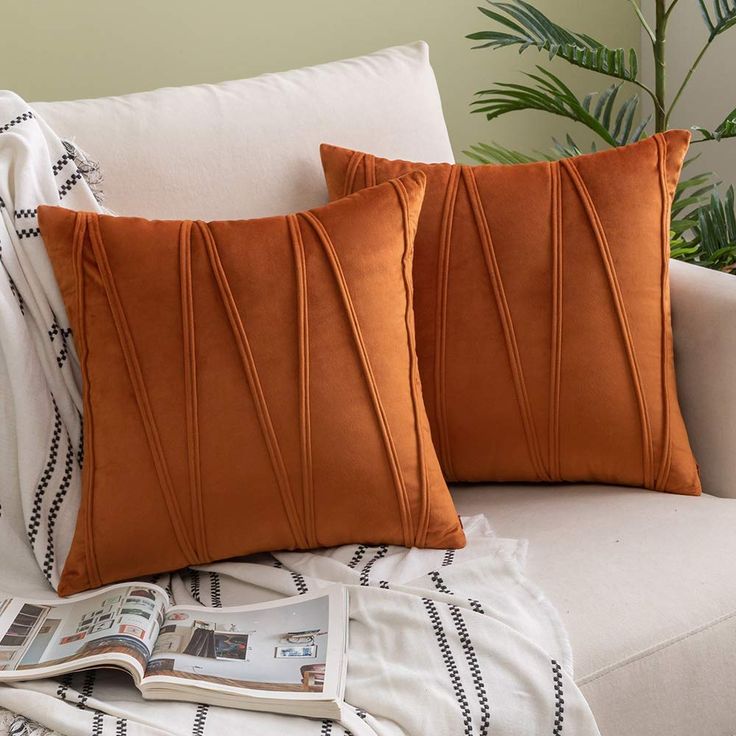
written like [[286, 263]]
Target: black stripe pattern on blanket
[[97, 723], [451, 665], [64, 335], [28, 115], [439, 583], [200, 720], [26, 224], [358, 555], [471, 658], [54, 509], [559, 700], [299, 582], [215, 590], [48, 471], [365, 573], [88, 687], [64, 684]]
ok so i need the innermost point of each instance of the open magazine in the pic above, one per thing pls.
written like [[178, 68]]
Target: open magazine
[[285, 656]]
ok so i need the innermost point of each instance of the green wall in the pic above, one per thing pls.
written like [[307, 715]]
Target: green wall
[[63, 49]]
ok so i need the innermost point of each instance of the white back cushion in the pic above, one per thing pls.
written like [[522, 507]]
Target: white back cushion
[[250, 148]]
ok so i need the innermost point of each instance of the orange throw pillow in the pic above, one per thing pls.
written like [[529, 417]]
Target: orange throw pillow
[[248, 385], [542, 310]]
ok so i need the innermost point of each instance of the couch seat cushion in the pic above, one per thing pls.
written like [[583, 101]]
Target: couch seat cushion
[[645, 584]]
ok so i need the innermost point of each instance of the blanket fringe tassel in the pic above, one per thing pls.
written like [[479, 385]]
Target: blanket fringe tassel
[[14, 725]]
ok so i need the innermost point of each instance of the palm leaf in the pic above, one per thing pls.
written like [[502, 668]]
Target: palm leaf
[[691, 193], [681, 250], [720, 17], [712, 236], [493, 153], [717, 222], [550, 94], [567, 148], [526, 27], [727, 129]]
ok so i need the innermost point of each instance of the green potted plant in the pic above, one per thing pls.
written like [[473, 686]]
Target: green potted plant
[[703, 228]]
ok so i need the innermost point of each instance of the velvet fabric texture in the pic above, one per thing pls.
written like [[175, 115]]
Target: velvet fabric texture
[[248, 385], [541, 299]]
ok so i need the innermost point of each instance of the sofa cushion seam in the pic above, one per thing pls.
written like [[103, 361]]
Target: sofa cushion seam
[[643, 654]]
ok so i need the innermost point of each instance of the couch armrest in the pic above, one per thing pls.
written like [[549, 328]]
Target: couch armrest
[[704, 325]]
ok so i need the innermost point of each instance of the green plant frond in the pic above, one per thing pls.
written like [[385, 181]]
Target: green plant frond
[[694, 200], [692, 193], [703, 223], [678, 227], [682, 251], [711, 238], [720, 17], [693, 181], [567, 149], [717, 222], [493, 153], [550, 94], [526, 27], [690, 160], [727, 129]]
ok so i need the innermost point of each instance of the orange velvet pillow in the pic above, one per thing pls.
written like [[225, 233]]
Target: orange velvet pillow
[[542, 312], [248, 385]]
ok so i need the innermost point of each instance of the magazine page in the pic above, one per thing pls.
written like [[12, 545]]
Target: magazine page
[[294, 648], [116, 625]]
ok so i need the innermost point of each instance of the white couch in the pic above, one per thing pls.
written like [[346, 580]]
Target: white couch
[[645, 582]]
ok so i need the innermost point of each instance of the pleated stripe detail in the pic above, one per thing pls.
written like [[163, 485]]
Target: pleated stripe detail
[[666, 357], [370, 170], [625, 329], [355, 161], [256, 389], [135, 374], [305, 426], [390, 447], [440, 355], [190, 388], [555, 370], [420, 536], [512, 349]]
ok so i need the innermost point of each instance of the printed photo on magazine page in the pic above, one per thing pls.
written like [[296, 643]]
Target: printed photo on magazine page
[[273, 647], [40, 637]]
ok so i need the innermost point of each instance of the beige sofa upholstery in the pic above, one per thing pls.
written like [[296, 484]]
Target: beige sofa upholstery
[[645, 582], [704, 324]]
